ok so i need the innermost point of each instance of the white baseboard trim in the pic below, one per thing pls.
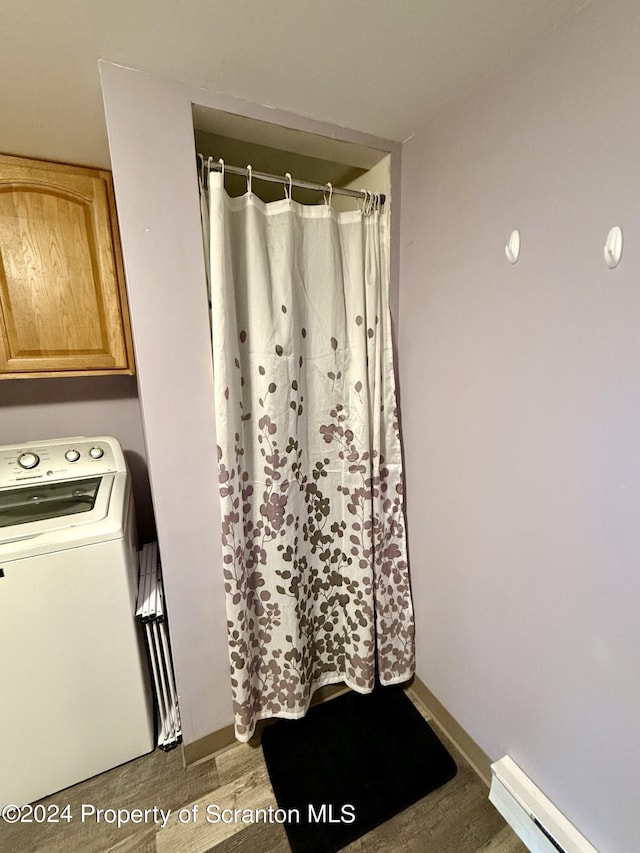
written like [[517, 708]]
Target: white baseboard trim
[[532, 815]]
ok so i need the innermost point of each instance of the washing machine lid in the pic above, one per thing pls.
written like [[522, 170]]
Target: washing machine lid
[[70, 520], [38, 507]]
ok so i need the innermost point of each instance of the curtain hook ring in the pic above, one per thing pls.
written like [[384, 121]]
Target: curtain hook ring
[[287, 190], [249, 177], [221, 161], [330, 188], [363, 200]]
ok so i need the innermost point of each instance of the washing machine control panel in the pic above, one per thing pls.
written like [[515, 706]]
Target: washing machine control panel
[[59, 460]]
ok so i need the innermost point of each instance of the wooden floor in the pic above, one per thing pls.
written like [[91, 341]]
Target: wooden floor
[[457, 817]]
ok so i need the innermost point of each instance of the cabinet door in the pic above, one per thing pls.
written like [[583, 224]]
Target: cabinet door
[[63, 306]]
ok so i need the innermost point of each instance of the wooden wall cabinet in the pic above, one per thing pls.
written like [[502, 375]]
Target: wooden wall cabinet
[[63, 304]]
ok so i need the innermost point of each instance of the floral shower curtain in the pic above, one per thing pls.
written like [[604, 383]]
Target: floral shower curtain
[[313, 534]]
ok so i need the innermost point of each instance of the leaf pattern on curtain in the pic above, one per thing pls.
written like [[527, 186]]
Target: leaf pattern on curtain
[[313, 537]]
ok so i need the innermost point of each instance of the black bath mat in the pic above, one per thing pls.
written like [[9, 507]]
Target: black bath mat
[[351, 764]]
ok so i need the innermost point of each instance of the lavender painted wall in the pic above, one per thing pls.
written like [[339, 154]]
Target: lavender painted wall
[[521, 410], [152, 153]]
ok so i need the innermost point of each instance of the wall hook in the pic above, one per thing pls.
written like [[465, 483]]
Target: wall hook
[[613, 247], [512, 249]]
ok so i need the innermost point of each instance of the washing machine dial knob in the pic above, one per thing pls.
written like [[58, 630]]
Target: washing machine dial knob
[[96, 453], [28, 460], [72, 455]]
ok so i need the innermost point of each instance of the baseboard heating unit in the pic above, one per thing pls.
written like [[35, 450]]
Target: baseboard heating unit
[[151, 611], [531, 815]]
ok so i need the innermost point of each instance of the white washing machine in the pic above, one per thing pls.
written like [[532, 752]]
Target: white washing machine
[[73, 677]]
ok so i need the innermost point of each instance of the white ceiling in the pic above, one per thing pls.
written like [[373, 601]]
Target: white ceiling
[[385, 67]]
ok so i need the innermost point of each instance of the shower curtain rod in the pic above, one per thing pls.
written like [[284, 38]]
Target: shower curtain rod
[[214, 165]]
